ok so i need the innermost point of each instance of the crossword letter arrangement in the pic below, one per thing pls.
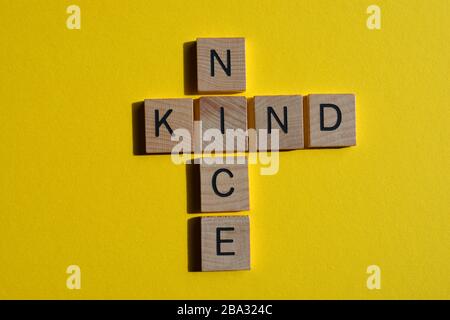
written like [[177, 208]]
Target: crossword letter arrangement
[[313, 121]]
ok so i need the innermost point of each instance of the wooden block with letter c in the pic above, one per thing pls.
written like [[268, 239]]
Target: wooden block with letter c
[[224, 187]]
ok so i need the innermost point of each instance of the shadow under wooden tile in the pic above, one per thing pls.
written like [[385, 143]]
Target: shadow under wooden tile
[[193, 187], [190, 67], [194, 245], [138, 123]]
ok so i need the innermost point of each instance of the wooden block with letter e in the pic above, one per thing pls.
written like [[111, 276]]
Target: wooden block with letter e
[[221, 65], [330, 120], [226, 113], [283, 113], [162, 117], [224, 187], [225, 243]]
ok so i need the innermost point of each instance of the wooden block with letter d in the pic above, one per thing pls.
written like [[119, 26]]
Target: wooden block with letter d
[[226, 113], [224, 187], [221, 65], [282, 113], [162, 117], [225, 243], [330, 120]]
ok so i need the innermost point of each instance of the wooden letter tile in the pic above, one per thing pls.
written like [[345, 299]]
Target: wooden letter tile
[[225, 243], [331, 120], [221, 64], [162, 117], [224, 113], [224, 187], [284, 113]]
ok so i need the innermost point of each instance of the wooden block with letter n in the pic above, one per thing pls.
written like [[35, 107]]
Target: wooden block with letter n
[[224, 187], [162, 117], [226, 113], [284, 113], [225, 243], [330, 120], [221, 65]]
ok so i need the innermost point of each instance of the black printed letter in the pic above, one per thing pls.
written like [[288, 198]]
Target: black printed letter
[[284, 125], [322, 120], [222, 120], [227, 69], [219, 241], [158, 122], [214, 183]]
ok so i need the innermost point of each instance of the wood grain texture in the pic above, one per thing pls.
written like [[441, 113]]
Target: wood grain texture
[[234, 117], [235, 81], [345, 134], [231, 179], [181, 116], [229, 255], [293, 104]]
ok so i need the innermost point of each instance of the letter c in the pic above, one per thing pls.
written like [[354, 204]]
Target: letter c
[[214, 183]]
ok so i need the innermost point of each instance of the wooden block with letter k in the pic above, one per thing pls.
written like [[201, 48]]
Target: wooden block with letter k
[[221, 65], [162, 117]]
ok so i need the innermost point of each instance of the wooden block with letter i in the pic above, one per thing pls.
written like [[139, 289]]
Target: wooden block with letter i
[[162, 117], [221, 65], [330, 120], [226, 113], [225, 243], [224, 187], [282, 113]]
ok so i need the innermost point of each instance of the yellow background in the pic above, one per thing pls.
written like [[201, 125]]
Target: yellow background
[[72, 192]]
